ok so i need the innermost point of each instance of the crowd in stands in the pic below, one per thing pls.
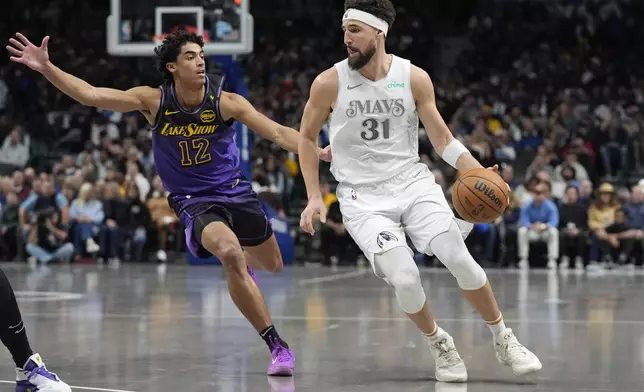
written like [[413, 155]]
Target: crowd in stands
[[550, 91]]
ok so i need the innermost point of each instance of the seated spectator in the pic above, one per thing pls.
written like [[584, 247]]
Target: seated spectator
[[538, 222], [136, 222], [134, 176], [614, 147], [43, 197], [573, 225], [15, 150], [620, 240], [508, 229], [114, 212], [87, 213], [20, 186], [525, 192], [601, 214], [163, 218], [337, 245], [10, 240], [48, 240], [585, 193], [634, 209]]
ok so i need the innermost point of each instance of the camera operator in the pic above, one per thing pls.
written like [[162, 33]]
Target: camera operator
[[48, 239]]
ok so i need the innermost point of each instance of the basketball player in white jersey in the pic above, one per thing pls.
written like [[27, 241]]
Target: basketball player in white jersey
[[372, 101]]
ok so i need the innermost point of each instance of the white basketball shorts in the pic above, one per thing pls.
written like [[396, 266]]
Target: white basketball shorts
[[378, 216]]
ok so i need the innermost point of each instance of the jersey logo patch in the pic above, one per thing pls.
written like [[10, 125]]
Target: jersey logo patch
[[207, 116], [169, 113], [352, 87], [385, 236]]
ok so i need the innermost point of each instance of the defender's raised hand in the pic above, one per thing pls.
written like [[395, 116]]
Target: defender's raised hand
[[29, 54]]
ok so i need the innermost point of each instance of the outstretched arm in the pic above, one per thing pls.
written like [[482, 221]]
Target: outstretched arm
[[237, 107], [450, 149], [37, 58]]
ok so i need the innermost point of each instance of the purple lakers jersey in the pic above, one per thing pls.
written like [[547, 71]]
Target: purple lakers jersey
[[194, 150]]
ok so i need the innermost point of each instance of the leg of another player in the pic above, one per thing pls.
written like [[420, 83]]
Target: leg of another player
[[266, 256], [31, 373], [451, 250], [219, 240], [400, 270]]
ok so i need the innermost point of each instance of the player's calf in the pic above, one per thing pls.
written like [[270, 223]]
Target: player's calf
[[266, 256]]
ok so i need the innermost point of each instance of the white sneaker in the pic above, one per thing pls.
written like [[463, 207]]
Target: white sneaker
[[449, 365], [91, 246], [524, 265], [510, 352], [35, 377], [162, 256], [552, 264]]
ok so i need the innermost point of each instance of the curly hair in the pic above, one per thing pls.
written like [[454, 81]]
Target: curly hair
[[170, 49], [382, 9]]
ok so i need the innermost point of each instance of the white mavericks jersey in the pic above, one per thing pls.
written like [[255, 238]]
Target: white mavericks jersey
[[373, 127]]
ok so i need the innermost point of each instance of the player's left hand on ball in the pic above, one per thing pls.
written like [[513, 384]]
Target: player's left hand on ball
[[325, 154], [494, 168], [315, 208]]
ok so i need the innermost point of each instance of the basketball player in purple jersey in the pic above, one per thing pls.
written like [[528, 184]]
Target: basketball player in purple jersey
[[198, 161]]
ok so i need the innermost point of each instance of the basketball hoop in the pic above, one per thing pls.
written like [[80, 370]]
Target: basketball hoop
[[158, 38]]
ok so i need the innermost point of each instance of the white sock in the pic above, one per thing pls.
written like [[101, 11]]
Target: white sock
[[497, 326], [435, 333]]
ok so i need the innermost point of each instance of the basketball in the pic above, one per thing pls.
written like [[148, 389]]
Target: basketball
[[480, 196]]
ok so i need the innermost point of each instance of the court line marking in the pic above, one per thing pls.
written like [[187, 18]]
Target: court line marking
[[331, 318], [83, 388], [334, 277]]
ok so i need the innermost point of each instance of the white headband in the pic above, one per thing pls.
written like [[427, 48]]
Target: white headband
[[367, 18]]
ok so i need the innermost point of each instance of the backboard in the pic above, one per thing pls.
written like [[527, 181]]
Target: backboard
[[135, 27]]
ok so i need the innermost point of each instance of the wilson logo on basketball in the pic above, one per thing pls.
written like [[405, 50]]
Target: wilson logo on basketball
[[489, 192], [207, 116]]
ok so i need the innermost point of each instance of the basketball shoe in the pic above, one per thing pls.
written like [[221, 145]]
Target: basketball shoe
[[34, 377], [449, 364], [283, 360], [511, 353]]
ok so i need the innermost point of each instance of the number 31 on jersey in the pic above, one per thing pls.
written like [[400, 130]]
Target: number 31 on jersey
[[374, 129]]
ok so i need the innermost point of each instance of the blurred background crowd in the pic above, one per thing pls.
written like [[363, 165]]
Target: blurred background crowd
[[551, 91]]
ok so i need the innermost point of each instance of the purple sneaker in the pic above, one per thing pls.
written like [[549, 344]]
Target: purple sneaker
[[35, 377], [252, 274], [283, 361]]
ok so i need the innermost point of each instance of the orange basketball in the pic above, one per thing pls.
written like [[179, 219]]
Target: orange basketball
[[480, 196]]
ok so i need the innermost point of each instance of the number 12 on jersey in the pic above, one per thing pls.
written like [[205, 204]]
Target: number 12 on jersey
[[372, 129], [194, 153]]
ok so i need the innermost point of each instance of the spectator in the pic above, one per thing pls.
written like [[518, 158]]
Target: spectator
[[11, 239], [585, 193], [337, 245], [114, 214], [538, 222], [620, 240], [614, 147], [136, 223], [508, 230], [15, 150], [20, 186], [163, 218], [601, 214], [634, 209], [48, 239], [135, 176], [87, 213], [43, 197], [573, 225]]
